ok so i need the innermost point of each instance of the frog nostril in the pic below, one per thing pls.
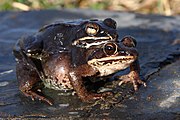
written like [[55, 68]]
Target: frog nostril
[[128, 54], [125, 53], [122, 52]]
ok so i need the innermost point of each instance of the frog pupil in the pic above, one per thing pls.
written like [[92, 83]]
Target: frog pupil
[[109, 48]]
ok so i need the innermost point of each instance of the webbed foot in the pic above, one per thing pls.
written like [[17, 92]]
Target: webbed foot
[[132, 77], [34, 95]]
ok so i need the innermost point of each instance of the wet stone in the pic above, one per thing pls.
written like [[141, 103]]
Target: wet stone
[[159, 50], [3, 83]]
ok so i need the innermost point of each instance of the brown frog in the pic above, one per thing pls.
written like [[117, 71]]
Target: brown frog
[[61, 55]]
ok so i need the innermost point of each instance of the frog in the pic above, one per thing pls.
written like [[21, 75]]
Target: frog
[[62, 55]]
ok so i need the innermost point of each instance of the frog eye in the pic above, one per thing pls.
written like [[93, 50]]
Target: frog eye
[[129, 41], [91, 29], [110, 49], [110, 22]]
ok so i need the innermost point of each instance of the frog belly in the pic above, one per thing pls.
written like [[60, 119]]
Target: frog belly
[[57, 84]]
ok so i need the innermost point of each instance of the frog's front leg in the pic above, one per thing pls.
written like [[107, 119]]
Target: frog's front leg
[[76, 77], [133, 77], [28, 78]]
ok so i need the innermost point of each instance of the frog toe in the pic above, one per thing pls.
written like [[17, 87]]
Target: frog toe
[[135, 82], [34, 96]]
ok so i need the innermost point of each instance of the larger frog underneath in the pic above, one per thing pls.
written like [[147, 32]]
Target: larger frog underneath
[[61, 55]]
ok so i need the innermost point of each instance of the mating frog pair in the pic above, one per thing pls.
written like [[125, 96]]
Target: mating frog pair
[[62, 55]]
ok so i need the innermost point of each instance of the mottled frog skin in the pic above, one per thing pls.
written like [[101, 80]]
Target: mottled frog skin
[[61, 55]]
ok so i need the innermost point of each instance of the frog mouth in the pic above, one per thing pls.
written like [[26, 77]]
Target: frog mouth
[[89, 41], [112, 59]]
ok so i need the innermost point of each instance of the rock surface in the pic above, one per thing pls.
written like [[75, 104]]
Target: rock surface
[[159, 48]]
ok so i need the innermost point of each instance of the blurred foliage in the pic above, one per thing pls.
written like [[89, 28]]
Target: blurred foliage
[[165, 7]]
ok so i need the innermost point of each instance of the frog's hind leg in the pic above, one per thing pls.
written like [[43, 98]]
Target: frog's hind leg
[[28, 78]]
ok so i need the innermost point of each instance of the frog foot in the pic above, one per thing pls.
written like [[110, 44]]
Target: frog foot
[[132, 77], [34, 96]]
